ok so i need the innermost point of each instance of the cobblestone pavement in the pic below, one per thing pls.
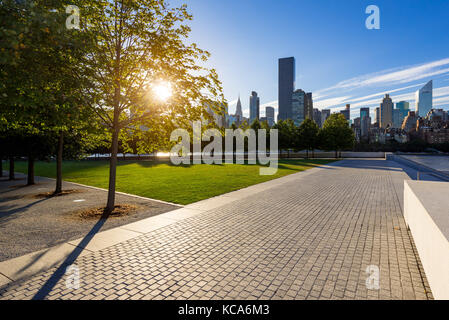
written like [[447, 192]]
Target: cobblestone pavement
[[312, 237]]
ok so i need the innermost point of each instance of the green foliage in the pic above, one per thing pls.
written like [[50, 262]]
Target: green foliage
[[39, 92], [255, 125], [336, 133], [286, 133], [307, 135], [138, 44]]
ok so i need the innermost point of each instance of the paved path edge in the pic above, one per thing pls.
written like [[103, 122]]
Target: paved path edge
[[26, 266]]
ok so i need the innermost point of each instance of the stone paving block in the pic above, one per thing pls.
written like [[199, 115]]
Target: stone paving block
[[310, 235]]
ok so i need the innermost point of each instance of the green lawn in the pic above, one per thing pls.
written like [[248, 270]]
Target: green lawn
[[164, 181]]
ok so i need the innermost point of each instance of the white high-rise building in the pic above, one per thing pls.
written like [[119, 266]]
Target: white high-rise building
[[424, 99]]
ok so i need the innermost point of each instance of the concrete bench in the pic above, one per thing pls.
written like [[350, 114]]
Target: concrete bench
[[426, 212]]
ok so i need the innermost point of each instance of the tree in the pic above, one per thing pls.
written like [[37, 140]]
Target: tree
[[286, 134], [140, 46], [40, 92], [307, 135], [336, 134]]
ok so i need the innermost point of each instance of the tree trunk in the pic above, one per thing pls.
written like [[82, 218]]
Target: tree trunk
[[58, 188], [110, 205], [307, 154], [336, 154], [113, 165], [30, 174], [1, 167], [11, 168]]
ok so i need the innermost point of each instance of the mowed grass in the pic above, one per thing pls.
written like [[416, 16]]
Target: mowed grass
[[164, 181]]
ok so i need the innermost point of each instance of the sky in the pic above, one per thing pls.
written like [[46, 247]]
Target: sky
[[337, 58]]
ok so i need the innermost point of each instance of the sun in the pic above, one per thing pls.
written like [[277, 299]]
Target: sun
[[162, 91]]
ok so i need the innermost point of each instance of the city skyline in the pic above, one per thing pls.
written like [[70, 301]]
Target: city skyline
[[342, 63]]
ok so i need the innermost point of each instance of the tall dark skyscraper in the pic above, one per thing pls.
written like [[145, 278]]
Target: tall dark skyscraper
[[254, 105], [286, 86]]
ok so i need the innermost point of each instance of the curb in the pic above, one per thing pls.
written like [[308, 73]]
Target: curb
[[26, 266]]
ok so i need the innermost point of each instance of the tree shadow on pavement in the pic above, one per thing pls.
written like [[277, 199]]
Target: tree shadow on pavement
[[60, 272]]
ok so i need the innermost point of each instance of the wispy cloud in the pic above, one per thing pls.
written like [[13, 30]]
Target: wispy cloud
[[354, 90], [401, 83], [394, 76]]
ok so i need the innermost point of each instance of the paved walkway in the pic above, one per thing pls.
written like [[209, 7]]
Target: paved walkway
[[310, 235], [52, 221]]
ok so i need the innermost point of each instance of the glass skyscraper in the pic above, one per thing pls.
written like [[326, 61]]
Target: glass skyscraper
[[424, 99], [401, 111], [365, 122], [254, 104], [298, 106]]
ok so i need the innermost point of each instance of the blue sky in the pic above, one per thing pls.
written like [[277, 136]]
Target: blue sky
[[337, 58]]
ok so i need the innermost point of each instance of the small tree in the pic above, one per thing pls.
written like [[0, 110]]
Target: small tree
[[336, 134], [286, 134], [138, 44], [307, 135]]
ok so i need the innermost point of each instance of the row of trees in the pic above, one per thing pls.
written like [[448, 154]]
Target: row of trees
[[70, 89], [335, 135]]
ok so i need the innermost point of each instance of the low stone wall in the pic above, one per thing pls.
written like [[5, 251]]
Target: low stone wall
[[426, 212], [417, 166], [331, 154], [283, 155]]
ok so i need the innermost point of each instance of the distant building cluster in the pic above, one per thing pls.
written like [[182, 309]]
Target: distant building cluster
[[392, 121], [401, 124], [295, 104]]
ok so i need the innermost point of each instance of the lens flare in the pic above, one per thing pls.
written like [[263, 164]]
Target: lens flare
[[162, 91]]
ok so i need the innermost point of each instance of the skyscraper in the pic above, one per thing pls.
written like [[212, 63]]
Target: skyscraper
[[377, 116], [308, 106], [325, 113], [317, 117], [365, 122], [298, 106], [397, 118], [386, 112], [404, 106], [347, 112], [254, 104], [424, 99], [269, 114], [286, 86], [238, 109]]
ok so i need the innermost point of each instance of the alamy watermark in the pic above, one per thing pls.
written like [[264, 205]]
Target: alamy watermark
[[213, 152], [73, 20], [73, 277], [373, 280], [373, 20]]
